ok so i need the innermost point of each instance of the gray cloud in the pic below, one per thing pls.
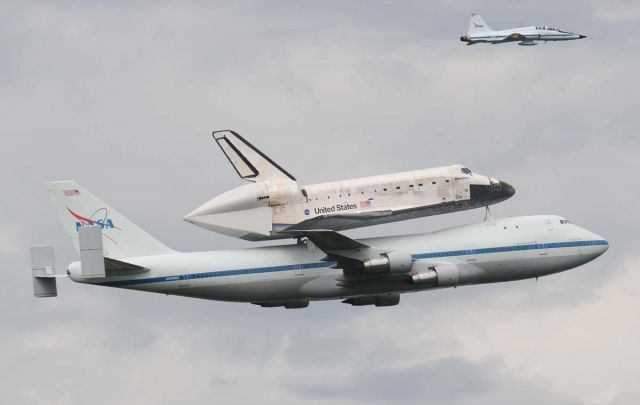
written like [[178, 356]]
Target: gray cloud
[[122, 97], [452, 380]]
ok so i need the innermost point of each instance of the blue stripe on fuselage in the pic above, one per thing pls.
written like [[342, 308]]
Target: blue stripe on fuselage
[[315, 265], [530, 37]]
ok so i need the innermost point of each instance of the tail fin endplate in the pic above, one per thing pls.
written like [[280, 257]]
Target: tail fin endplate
[[77, 208], [43, 268]]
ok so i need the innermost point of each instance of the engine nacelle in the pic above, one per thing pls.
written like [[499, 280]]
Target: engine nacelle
[[429, 277], [392, 262], [439, 275], [448, 274]]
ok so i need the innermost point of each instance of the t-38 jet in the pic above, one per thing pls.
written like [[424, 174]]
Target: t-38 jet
[[480, 32], [276, 206]]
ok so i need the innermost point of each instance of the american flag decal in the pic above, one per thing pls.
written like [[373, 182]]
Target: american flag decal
[[71, 193], [365, 204]]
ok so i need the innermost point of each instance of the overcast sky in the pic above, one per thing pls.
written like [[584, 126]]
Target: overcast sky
[[122, 97]]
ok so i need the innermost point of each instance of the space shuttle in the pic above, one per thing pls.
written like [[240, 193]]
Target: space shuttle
[[274, 205]]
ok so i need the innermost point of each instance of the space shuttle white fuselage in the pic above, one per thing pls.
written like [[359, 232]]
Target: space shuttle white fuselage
[[275, 205]]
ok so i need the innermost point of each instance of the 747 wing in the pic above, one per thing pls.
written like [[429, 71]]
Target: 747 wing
[[355, 257]]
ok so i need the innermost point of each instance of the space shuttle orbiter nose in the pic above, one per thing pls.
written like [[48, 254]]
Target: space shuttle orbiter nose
[[276, 206], [492, 193]]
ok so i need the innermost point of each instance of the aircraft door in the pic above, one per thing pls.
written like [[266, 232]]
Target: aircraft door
[[470, 252], [298, 268], [543, 249], [183, 280]]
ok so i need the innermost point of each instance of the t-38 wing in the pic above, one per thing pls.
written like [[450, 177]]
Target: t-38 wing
[[516, 36], [247, 160]]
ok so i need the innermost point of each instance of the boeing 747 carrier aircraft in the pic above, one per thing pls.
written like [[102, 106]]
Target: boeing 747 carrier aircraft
[[479, 32], [325, 265], [275, 204]]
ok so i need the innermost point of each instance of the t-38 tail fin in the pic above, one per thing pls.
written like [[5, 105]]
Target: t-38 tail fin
[[77, 207], [477, 25]]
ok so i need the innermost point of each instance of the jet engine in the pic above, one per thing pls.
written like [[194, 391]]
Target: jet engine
[[392, 262], [439, 275]]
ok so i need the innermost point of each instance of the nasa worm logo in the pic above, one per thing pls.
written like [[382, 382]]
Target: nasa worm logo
[[307, 212], [105, 224]]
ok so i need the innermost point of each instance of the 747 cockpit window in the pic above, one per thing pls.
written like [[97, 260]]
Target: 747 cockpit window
[[465, 170], [565, 221]]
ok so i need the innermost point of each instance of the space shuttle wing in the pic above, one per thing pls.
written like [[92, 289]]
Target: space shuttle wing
[[338, 222], [249, 162]]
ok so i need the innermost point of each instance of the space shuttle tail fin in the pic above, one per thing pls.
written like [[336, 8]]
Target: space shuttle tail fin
[[477, 25], [78, 208], [247, 160]]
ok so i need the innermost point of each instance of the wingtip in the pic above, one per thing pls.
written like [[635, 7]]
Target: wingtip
[[217, 134]]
